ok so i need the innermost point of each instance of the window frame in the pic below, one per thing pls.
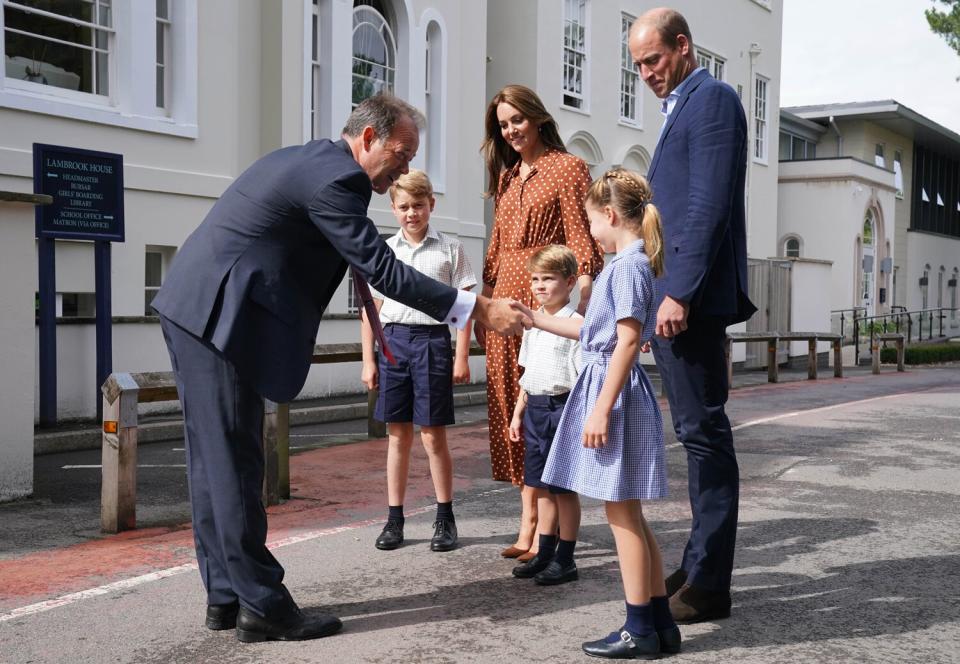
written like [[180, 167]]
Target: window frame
[[584, 95], [165, 28], [711, 61], [390, 85], [760, 118], [132, 99], [628, 70]]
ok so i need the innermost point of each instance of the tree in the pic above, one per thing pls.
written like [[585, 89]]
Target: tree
[[946, 24]]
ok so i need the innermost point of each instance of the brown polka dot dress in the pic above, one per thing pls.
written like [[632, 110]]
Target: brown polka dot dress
[[545, 208]]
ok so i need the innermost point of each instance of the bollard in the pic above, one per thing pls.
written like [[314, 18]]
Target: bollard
[[812, 359], [118, 488], [838, 358]]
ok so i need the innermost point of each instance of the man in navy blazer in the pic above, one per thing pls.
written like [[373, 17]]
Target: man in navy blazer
[[697, 176], [239, 311]]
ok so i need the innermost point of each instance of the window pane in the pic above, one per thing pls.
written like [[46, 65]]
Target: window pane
[[33, 55], [798, 148], [161, 102], [793, 248], [153, 267], [163, 9], [785, 144]]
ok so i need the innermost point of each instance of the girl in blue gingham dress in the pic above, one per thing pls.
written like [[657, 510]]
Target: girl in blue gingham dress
[[609, 442]]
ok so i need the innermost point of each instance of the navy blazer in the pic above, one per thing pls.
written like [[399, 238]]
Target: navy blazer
[[254, 278], [698, 176]]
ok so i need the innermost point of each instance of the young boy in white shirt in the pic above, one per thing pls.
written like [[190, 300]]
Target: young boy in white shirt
[[419, 388], [551, 364]]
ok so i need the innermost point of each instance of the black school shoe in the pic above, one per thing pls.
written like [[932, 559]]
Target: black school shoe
[[626, 647], [444, 535], [554, 574], [222, 616], [669, 640], [391, 537], [293, 626], [532, 567]]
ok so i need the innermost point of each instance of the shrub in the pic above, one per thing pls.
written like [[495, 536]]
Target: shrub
[[922, 354]]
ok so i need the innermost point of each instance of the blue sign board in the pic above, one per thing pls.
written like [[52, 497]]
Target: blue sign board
[[87, 191]]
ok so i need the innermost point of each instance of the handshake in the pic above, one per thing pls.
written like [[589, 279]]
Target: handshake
[[502, 315]]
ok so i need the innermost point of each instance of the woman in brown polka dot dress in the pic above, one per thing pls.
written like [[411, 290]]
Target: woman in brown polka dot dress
[[538, 190]]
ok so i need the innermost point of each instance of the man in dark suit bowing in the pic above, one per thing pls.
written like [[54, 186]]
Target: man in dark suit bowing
[[239, 312], [697, 175]]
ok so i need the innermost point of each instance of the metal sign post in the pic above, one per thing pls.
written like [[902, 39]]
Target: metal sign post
[[87, 191]]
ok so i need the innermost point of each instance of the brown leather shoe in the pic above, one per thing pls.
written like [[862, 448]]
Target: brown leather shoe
[[691, 604], [675, 581], [526, 556], [512, 552]]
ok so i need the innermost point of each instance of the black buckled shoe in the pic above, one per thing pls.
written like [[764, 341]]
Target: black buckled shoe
[[444, 535], [532, 567], [391, 537], [554, 574], [222, 616], [626, 647], [669, 640], [294, 626], [692, 604]]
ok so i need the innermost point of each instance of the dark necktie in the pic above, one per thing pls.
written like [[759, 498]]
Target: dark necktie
[[362, 290]]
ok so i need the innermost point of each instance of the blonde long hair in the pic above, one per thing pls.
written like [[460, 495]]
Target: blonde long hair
[[630, 195]]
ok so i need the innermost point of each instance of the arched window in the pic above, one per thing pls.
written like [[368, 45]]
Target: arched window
[[635, 158], [791, 247], [867, 264], [585, 146], [925, 286], [374, 51]]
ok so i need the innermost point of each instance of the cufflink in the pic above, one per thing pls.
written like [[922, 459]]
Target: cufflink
[[453, 320]]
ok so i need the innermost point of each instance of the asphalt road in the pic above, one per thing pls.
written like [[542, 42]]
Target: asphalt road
[[848, 549]]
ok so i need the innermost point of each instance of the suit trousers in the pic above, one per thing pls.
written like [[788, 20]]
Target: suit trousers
[[223, 430], [693, 368]]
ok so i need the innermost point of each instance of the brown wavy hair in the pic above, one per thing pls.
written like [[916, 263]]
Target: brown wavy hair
[[630, 195], [497, 154]]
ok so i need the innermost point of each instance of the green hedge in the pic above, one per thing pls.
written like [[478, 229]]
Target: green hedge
[[928, 354]]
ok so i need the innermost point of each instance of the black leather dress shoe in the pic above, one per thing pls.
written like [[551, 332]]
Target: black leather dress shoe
[[669, 640], [554, 574], [675, 581], [391, 537], [444, 535], [532, 567], [626, 647], [691, 605], [222, 616], [294, 626]]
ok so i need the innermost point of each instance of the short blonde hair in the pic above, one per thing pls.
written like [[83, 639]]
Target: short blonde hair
[[414, 182], [554, 258]]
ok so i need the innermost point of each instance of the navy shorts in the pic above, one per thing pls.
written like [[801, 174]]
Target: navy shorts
[[540, 422], [419, 388]]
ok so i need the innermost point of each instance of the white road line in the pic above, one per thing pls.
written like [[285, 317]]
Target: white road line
[[72, 598], [142, 465], [822, 409]]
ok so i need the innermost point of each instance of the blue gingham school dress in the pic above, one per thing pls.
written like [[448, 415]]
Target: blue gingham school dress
[[631, 465]]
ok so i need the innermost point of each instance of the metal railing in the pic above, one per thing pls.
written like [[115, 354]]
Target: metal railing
[[865, 328], [854, 314]]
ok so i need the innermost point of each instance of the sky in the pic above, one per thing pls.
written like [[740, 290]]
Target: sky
[[866, 50]]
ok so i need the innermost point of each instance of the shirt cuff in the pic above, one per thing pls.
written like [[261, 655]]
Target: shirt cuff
[[462, 308]]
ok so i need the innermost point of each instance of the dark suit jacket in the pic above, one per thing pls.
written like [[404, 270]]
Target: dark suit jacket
[[698, 175], [254, 278]]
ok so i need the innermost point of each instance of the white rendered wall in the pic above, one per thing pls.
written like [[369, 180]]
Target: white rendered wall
[[824, 202], [810, 284], [16, 348]]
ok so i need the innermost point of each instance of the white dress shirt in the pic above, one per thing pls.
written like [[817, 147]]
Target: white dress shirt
[[551, 363]]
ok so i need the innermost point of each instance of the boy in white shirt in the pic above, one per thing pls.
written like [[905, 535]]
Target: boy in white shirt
[[419, 388], [551, 364]]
